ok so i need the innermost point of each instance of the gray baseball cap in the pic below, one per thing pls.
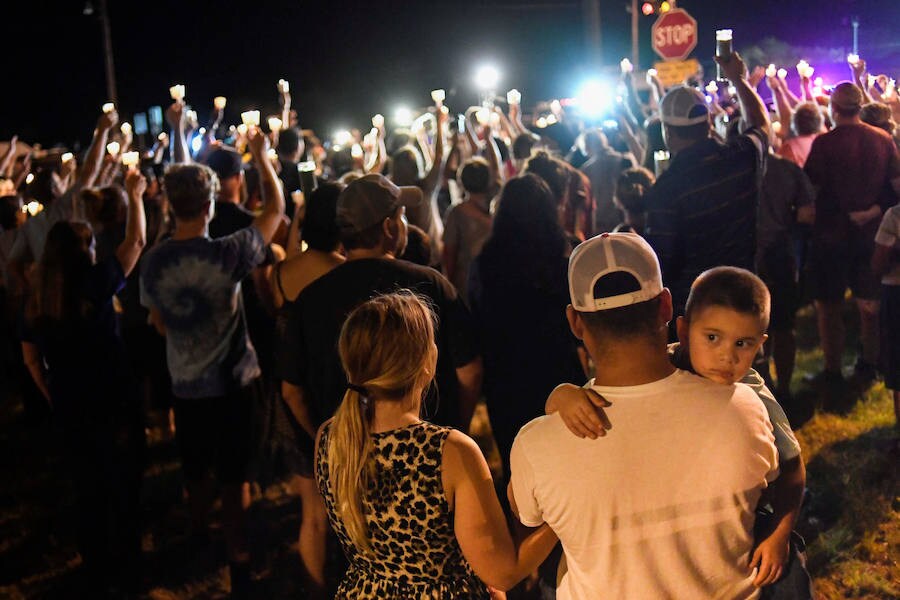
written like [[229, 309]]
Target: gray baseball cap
[[370, 199]]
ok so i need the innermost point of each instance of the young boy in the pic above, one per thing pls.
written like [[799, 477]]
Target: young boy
[[886, 263], [723, 329]]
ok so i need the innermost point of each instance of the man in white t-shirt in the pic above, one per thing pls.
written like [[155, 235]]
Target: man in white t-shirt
[[663, 506]]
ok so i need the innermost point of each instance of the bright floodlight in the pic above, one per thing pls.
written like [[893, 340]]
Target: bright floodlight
[[595, 98], [403, 116], [487, 77], [343, 137]]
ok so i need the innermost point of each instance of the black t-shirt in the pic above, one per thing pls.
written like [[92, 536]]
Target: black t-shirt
[[230, 218], [309, 333], [87, 365]]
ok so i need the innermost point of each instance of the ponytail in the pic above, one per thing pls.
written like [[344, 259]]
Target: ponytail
[[349, 446], [387, 350]]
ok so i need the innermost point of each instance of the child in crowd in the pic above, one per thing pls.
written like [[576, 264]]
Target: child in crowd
[[631, 187], [722, 331], [886, 262]]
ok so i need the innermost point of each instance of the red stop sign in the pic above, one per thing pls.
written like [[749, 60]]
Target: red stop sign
[[674, 34]]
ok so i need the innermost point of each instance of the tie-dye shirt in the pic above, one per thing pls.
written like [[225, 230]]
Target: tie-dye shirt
[[195, 285]]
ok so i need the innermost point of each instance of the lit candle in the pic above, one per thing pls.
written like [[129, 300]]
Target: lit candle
[[378, 121], [513, 97], [712, 87], [283, 86], [113, 148], [274, 124], [723, 48], [108, 107], [771, 71], [219, 102], [125, 128], [661, 161], [626, 66], [782, 73], [723, 43], [250, 118], [853, 59], [177, 92], [66, 157], [438, 96], [131, 159]]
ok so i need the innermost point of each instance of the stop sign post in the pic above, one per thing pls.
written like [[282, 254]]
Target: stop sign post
[[674, 34]]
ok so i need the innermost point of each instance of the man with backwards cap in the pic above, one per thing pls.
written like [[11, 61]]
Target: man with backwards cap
[[701, 213], [660, 509], [855, 171]]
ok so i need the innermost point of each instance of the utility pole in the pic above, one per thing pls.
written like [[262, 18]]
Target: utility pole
[[635, 47], [108, 55], [591, 11]]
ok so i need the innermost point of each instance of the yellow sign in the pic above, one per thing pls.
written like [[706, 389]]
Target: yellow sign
[[674, 72]]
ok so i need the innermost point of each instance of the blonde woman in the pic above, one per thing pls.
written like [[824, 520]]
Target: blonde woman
[[412, 503]]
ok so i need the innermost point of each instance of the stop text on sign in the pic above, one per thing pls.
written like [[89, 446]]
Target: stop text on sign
[[674, 34]]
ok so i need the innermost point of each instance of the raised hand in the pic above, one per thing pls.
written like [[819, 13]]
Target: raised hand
[[258, 143], [108, 120], [175, 115], [135, 183], [733, 66], [756, 76]]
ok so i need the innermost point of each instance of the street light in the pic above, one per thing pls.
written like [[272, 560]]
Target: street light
[[487, 77]]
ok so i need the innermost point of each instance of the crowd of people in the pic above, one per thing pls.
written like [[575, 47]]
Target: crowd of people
[[332, 313]]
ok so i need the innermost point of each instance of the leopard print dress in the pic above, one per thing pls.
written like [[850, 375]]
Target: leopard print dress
[[414, 554]]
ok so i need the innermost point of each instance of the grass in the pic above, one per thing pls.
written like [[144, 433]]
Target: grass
[[852, 522]]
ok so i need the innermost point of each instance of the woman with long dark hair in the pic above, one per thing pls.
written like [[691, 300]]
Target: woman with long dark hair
[[73, 350], [518, 293], [413, 503]]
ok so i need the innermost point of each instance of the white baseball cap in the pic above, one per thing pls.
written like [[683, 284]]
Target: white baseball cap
[[683, 106], [612, 270]]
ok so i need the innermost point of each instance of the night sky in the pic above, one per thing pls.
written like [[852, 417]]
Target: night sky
[[348, 60]]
